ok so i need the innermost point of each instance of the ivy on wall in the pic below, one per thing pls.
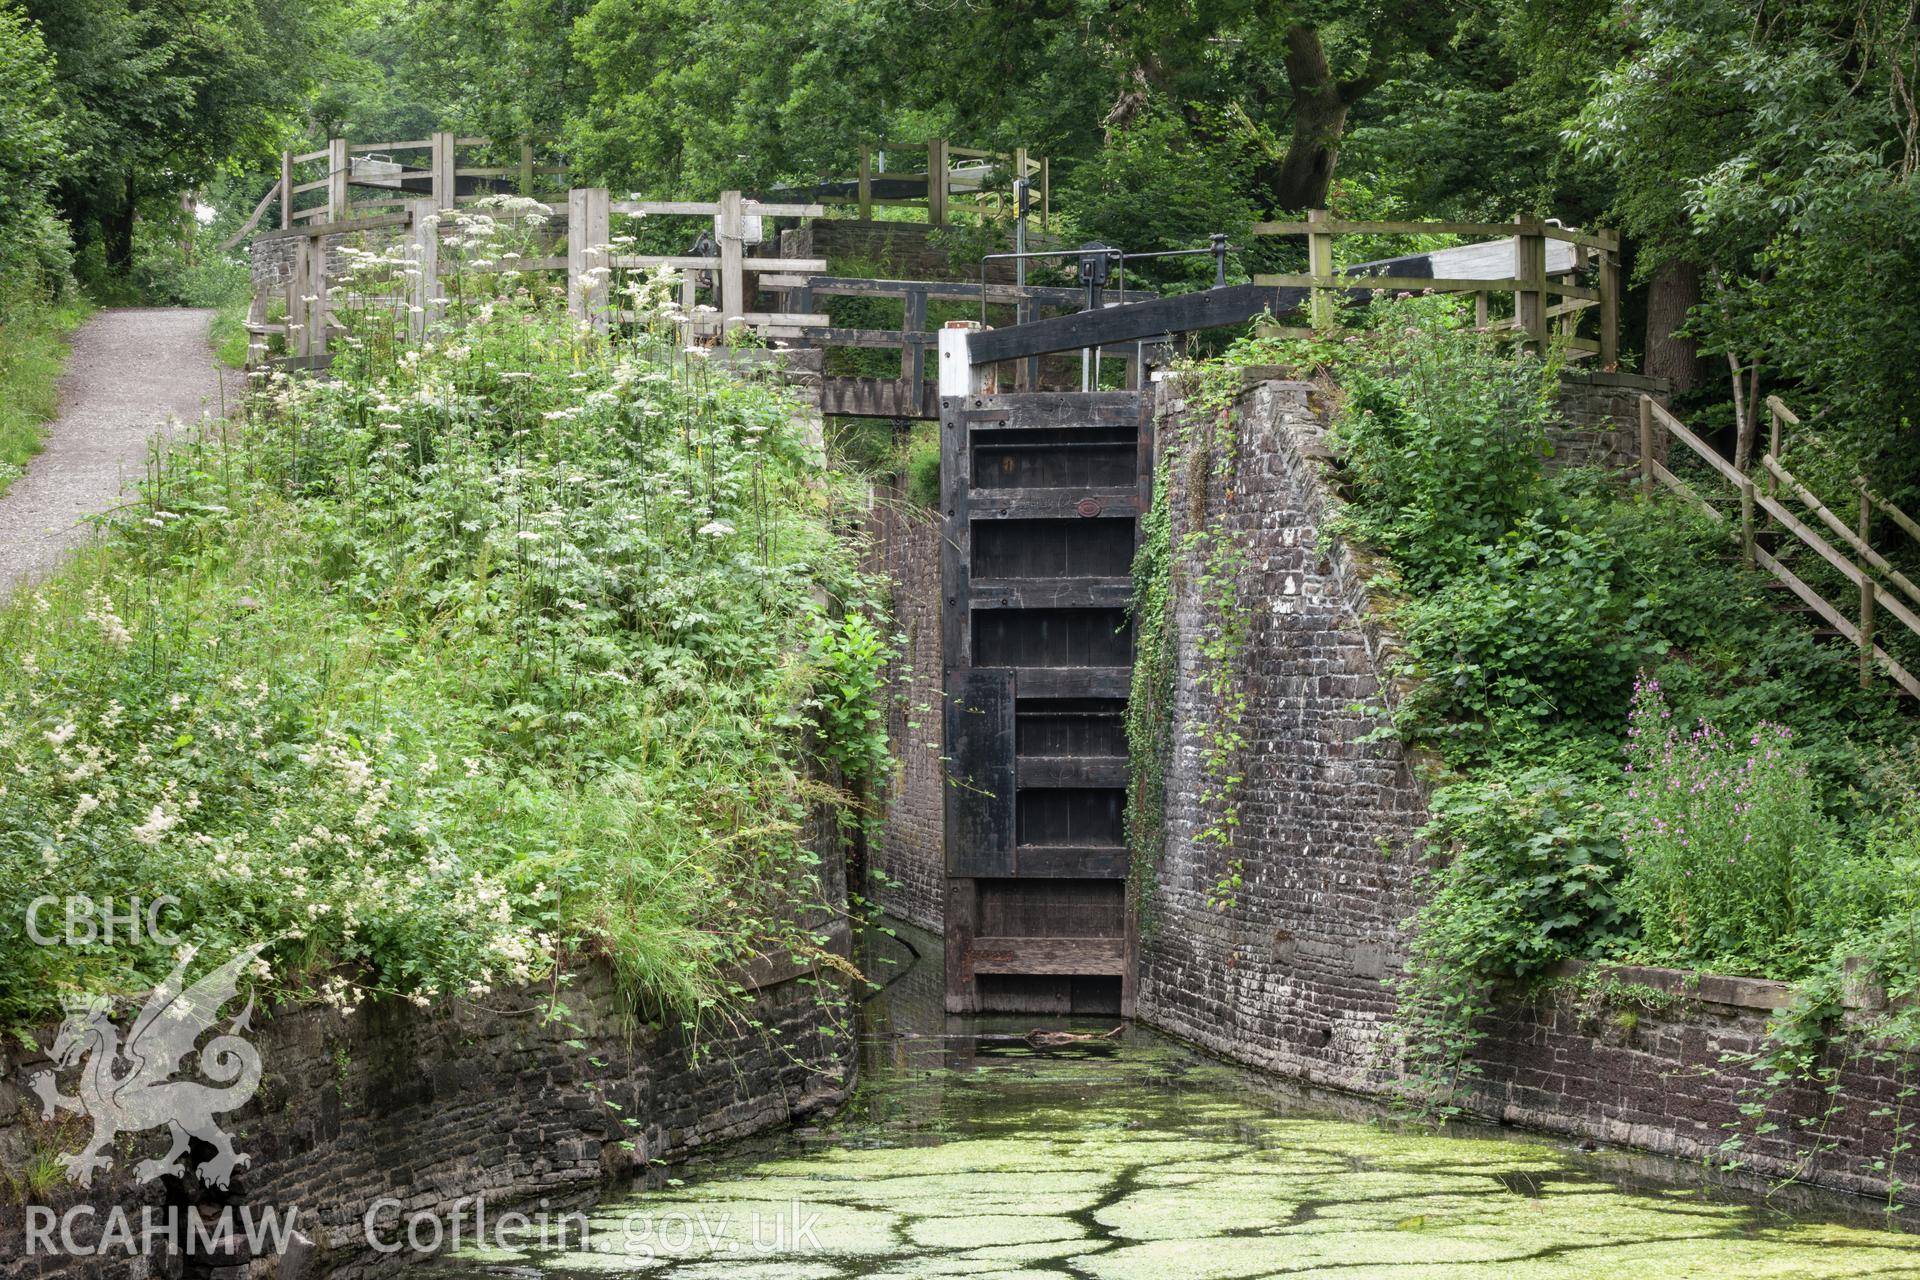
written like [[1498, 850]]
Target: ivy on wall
[[1207, 559]]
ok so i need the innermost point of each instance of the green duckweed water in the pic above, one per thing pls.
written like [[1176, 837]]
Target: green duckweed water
[[967, 1153]]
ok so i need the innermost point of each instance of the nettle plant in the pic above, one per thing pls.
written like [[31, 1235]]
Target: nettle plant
[[508, 642]]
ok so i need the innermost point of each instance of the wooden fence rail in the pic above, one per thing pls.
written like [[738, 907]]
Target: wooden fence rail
[[943, 187], [589, 259], [1863, 567], [346, 172], [1533, 260]]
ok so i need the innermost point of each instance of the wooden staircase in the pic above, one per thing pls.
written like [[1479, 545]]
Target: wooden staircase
[[1768, 529], [1042, 494]]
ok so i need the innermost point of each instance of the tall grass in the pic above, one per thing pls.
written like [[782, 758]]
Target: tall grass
[[501, 647], [33, 350], [228, 333]]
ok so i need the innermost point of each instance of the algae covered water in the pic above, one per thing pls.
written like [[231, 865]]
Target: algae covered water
[[967, 1151]]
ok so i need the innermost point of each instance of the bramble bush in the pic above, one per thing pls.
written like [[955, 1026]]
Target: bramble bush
[[497, 648]]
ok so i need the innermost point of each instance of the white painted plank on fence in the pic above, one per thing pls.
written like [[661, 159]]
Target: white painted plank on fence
[[1493, 260]]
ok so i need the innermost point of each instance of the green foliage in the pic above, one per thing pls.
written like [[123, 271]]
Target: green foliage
[[34, 248], [923, 466], [157, 98], [1523, 873], [1149, 711], [850, 655], [1778, 149], [1729, 850], [1445, 436], [1198, 172], [1528, 604], [178, 264], [482, 654], [228, 333], [33, 349]]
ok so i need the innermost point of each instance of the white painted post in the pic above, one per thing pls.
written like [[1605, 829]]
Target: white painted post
[[958, 376], [729, 228]]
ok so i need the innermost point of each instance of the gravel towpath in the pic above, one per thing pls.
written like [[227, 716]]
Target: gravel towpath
[[133, 372]]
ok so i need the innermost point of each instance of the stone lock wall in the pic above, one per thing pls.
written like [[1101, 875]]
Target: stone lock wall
[[909, 850], [1293, 974], [1288, 978], [1600, 419], [496, 1097]]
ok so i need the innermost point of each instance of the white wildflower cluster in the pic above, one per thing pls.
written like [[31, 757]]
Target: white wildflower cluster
[[100, 613]]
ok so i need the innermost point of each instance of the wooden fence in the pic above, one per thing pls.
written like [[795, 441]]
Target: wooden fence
[[1532, 260], [954, 180], [347, 180], [1861, 564], [729, 276], [912, 395]]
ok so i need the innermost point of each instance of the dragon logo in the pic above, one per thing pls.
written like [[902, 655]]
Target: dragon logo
[[131, 1089]]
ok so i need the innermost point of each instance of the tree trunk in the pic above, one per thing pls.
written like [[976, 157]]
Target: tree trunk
[[1304, 176], [118, 235], [1671, 294], [1301, 178]]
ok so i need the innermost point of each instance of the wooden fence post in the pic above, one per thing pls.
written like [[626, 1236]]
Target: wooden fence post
[[425, 232], [1866, 598], [296, 308], [730, 230], [444, 189], [1773, 442], [1530, 269], [307, 295], [317, 326], [1609, 286], [589, 231], [1026, 375], [526, 168], [338, 164], [689, 299], [1646, 444], [1746, 519], [866, 182], [913, 355], [1321, 308], [286, 190], [937, 182]]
